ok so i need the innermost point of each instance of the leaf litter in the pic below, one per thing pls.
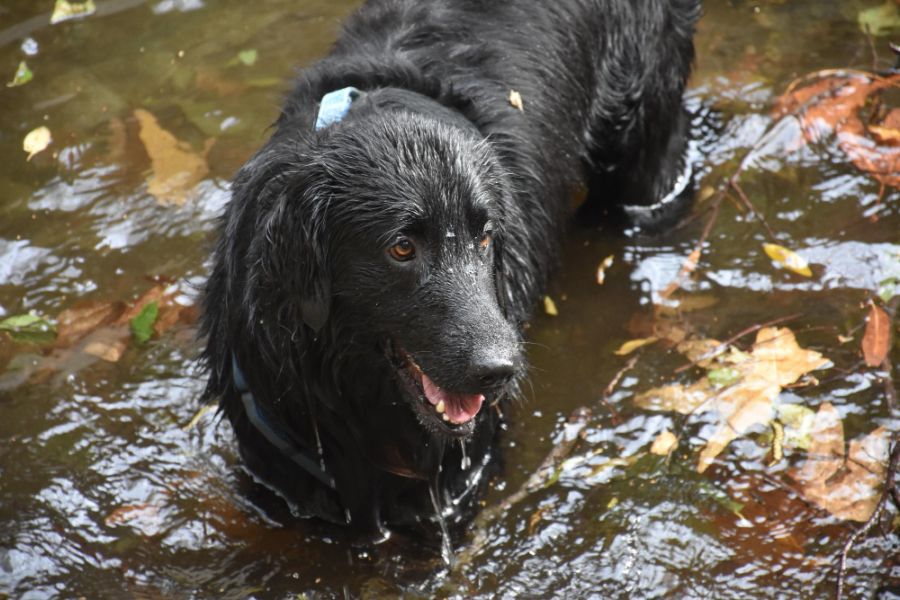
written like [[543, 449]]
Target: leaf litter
[[775, 361], [97, 330]]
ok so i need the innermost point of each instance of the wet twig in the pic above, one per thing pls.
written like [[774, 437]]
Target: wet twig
[[608, 391]]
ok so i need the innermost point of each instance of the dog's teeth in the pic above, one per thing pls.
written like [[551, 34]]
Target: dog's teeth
[[446, 418], [440, 407]]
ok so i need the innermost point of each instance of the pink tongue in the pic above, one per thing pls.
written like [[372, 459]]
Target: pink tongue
[[459, 408]]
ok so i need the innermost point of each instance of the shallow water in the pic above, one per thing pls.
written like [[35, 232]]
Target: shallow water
[[105, 491]]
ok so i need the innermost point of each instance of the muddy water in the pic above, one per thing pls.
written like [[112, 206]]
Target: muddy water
[[106, 493]]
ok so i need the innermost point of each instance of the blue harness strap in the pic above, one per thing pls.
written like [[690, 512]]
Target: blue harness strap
[[273, 434], [335, 105]]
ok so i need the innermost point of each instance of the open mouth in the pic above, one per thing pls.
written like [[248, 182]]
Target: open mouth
[[450, 412]]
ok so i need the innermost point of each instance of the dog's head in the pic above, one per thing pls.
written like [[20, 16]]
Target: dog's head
[[383, 235]]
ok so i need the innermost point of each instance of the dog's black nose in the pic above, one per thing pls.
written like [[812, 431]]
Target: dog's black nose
[[494, 371]]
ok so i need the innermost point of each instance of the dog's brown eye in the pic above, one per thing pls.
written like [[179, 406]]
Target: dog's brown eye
[[486, 239], [402, 250]]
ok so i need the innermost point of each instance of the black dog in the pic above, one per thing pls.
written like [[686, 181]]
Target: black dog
[[383, 249]]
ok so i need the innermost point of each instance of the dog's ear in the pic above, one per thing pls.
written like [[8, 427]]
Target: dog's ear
[[296, 255]]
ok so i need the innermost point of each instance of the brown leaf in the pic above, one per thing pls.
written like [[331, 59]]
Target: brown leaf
[[107, 343], [177, 169], [832, 104], [76, 322], [848, 489], [877, 340]]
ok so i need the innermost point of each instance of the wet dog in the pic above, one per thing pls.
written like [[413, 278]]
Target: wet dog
[[382, 251]]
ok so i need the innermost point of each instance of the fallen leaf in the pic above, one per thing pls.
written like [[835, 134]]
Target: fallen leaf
[[64, 10], [723, 376], [831, 102], [798, 424], [177, 169], [776, 361], [632, 345], [788, 258], [145, 518], [515, 100], [664, 443], [887, 288], [248, 57], [23, 75], [846, 488], [877, 340], [550, 306], [36, 141], [142, 323], [76, 322], [602, 267], [777, 443], [701, 351], [880, 20], [29, 329]]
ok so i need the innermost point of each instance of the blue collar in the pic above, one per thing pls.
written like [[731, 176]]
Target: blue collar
[[335, 105], [277, 436]]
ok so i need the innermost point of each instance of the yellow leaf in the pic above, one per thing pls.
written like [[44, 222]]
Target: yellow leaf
[[64, 10], [550, 306], [664, 443], [36, 141], [790, 259], [632, 345], [515, 100], [177, 169]]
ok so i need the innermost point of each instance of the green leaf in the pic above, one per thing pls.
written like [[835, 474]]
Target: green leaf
[[880, 20], [142, 324], [248, 57], [723, 376], [29, 329], [887, 289], [64, 10], [23, 75]]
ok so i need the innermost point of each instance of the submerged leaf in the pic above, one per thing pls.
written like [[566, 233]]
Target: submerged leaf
[[847, 488], [176, 167], [23, 75], [632, 345], [798, 424], [248, 57], [29, 329], [790, 259], [880, 20], [877, 340], [36, 141], [724, 376], [142, 324], [756, 380]]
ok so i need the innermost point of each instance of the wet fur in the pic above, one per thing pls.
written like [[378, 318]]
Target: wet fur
[[296, 294]]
